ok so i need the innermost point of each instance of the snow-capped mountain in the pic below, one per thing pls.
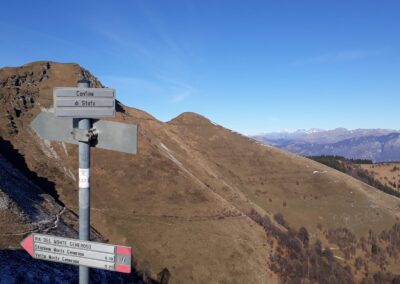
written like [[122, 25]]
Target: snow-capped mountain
[[378, 145]]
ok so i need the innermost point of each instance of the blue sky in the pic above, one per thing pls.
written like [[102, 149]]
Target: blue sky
[[251, 66]]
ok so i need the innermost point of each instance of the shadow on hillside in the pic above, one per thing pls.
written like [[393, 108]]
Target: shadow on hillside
[[25, 188], [119, 107], [21, 184], [17, 266]]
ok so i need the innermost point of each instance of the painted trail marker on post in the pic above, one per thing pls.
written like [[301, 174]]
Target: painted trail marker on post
[[72, 123], [77, 252]]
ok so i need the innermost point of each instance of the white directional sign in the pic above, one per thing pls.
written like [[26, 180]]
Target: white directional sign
[[78, 252], [84, 102]]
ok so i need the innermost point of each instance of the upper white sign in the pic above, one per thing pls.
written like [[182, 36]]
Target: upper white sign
[[84, 102]]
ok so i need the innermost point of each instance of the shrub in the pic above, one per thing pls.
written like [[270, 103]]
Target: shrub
[[294, 260], [374, 249], [358, 263], [278, 217], [303, 236]]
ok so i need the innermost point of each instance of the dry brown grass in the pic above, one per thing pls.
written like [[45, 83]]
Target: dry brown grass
[[386, 173], [180, 202]]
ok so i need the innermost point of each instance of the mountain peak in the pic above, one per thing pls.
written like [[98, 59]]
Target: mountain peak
[[190, 118], [41, 71], [34, 82]]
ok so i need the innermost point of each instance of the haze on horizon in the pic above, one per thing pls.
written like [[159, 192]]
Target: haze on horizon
[[259, 67], [319, 130]]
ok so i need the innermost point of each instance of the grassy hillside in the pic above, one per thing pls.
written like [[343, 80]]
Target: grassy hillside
[[382, 176], [191, 200], [387, 174]]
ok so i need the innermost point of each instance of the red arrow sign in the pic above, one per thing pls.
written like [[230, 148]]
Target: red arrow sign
[[123, 252], [27, 244]]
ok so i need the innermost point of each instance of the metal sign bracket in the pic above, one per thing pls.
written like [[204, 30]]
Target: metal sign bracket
[[84, 135]]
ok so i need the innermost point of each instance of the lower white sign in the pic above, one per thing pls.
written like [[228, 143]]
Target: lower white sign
[[78, 252]]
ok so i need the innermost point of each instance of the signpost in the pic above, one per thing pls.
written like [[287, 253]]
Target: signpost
[[71, 123], [77, 252], [84, 125]]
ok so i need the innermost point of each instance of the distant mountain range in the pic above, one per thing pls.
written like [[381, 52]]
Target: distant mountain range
[[378, 145]]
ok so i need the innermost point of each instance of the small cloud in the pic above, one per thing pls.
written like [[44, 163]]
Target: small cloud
[[179, 98], [112, 36], [273, 119], [182, 92], [341, 56], [124, 42], [180, 89], [131, 84]]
